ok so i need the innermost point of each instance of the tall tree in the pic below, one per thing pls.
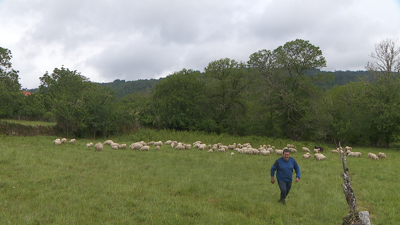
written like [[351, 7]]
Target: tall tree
[[10, 88], [179, 101], [289, 91], [227, 81]]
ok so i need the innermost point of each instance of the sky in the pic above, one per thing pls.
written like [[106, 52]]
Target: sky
[[130, 40]]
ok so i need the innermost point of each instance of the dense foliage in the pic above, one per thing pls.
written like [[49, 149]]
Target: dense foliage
[[279, 93]]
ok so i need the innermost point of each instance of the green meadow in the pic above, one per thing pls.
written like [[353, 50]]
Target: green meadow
[[41, 183]]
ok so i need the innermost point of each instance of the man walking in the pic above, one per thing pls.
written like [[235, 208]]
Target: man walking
[[284, 167]]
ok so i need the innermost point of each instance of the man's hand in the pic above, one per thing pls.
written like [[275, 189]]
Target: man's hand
[[272, 180], [297, 179]]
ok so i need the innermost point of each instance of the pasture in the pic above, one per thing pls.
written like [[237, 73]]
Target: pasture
[[41, 183]]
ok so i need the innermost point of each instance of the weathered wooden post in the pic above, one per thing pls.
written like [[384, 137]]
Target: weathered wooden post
[[354, 217]]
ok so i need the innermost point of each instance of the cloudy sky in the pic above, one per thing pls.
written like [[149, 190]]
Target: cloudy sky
[[135, 39]]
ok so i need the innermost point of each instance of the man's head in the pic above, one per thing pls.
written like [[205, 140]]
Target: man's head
[[286, 154]]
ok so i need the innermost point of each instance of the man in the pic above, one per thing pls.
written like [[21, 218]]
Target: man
[[284, 167]]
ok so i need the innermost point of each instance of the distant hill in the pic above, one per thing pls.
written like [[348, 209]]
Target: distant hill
[[123, 88]]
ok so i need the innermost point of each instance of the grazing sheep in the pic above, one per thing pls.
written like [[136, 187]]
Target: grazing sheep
[[307, 155], [348, 148], [89, 144], [187, 147], [157, 147], [321, 149], [108, 142], [64, 140], [158, 143], [279, 152], [57, 142], [231, 147], [354, 154], [210, 150], [98, 147], [202, 147], [169, 142], [382, 155], [145, 148], [316, 150], [290, 146], [122, 146], [305, 149], [335, 151], [293, 150], [319, 157], [135, 146], [180, 146], [73, 141], [114, 145], [374, 157], [265, 153], [232, 153]]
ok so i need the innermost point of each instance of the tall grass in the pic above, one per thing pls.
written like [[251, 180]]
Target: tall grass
[[70, 184], [30, 123]]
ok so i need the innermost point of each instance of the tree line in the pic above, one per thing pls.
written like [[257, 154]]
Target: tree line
[[276, 93]]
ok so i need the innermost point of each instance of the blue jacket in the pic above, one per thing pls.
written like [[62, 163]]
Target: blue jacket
[[284, 169]]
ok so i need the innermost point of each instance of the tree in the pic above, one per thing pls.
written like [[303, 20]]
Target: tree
[[227, 81], [288, 91], [387, 60], [10, 94], [179, 101]]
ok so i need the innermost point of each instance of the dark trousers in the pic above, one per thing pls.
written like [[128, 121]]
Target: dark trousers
[[285, 188]]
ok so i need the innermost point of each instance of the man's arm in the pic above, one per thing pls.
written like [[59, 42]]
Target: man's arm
[[273, 169], [297, 170]]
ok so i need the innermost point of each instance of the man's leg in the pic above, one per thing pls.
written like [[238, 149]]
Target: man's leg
[[288, 187], [283, 187]]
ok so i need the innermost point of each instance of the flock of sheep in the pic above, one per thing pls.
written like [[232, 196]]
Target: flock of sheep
[[246, 148]]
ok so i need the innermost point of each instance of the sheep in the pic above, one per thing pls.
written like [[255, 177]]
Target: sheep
[[108, 142], [187, 147], [305, 149], [307, 155], [232, 153], [348, 148], [374, 157], [271, 150], [279, 152], [180, 146], [145, 148], [89, 144], [370, 154], [135, 146], [157, 147], [58, 139], [98, 147], [57, 142], [293, 150], [335, 151], [319, 157], [316, 150], [114, 145], [122, 146], [290, 146], [224, 147], [321, 149], [231, 147], [73, 141], [265, 153], [158, 143], [221, 150], [382, 155], [354, 154], [64, 140], [169, 142], [202, 147], [210, 150]]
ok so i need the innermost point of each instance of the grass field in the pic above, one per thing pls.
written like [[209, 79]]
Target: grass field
[[70, 184], [30, 123]]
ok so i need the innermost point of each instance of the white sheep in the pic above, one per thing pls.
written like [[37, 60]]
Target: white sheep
[[57, 142], [373, 156], [210, 150], [114, 145], [157, 147], [108, 142], [180, 146], [158, 143], [136, 146], [307, 155], [305, 149], [354, 154], [293, 150], [232, 153], [279, 151], [319, 157], [89, 144], [145, 148], [73, 141], [98, 147], [265, 153], [169, 142], [335, 151], [64, 140], [231, 147], [122, 146], [382, 155], [188, 146], [316, 150]]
